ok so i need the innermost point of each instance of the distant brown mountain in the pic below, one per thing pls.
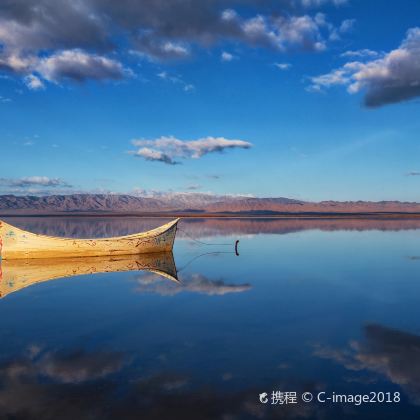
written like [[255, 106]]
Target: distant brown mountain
[[189, 203], [78, 203]]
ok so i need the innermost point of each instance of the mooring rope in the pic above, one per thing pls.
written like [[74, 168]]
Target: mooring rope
[[202, 255], [201, 242]]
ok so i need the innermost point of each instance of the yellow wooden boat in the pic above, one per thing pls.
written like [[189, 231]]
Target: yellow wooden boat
[[18, 274], [16, 243]]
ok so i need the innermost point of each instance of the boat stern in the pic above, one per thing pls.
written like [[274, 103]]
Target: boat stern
[[8, 239]]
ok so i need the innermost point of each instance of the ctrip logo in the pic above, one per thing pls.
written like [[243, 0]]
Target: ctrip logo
[[263, 398]]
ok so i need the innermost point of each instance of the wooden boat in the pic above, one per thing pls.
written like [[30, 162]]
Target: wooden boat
[[16, 243], [18, 274]]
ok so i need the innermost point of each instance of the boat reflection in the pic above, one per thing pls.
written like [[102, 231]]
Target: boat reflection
[[18, 274]]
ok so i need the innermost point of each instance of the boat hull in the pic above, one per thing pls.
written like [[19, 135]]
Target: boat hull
[[16, 243]]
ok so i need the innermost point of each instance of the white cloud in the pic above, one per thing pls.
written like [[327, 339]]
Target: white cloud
[[65, 40], [229, 15], [33, 82], [318, 3], [303, 32], [347, 25], [283, 66], [177, 80], [157, 50], [155, 28], [155, 155], [393, 78], [167, 149], [359, 53], [14, 61], [4, 100], [33, 180], [75, 65], [336, 77], [80, 66], [32, 185], [226, 56], [176, 49]]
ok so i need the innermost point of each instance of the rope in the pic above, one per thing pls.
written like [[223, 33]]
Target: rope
[[199, 256], [200, 242]]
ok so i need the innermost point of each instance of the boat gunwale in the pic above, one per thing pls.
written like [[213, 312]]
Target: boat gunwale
[[155, 232]]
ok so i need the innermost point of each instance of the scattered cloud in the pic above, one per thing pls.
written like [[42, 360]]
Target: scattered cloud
[[189, 87], [335, 77], [360, 53], [4, 100], [318, 3], [207, 176], [283, 66], [393, 78], [193, 187], [347, 25], [33, 180], [80, 66], [155, 155], [74, 65], [158, 50], [60, 40], [167, 149], [33, 82], [285, 33], [227, 57], [177, 80]]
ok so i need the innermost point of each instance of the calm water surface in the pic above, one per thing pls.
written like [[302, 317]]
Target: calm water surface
[[307, 306]]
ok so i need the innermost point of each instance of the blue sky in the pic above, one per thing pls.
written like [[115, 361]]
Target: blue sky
[[310, 99]]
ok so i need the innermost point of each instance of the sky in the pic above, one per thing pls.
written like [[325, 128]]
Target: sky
[[307, 99]]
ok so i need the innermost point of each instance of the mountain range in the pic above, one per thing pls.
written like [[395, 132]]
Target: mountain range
[[190, 203]]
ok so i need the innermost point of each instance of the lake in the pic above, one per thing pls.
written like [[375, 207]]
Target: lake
[[326, 307]]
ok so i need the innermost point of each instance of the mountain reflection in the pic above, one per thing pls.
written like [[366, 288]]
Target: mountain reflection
[[386, 351], [99, 227], [18, 274], [195, 283]]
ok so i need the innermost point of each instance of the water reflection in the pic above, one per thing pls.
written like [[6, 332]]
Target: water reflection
[[18, 274], [137, 345], [100, 227], [83, 385], [193, 282], [386, 351]]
